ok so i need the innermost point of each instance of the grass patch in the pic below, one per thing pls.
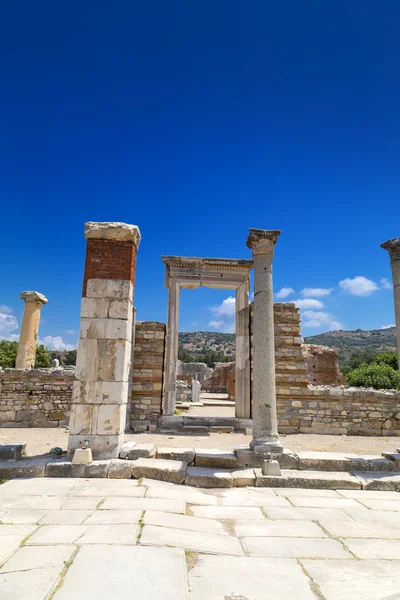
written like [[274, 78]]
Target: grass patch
[[141, 525], [140, 481], [177, 412], [191, 559], [3, 480], [67, 564], [99, 504]]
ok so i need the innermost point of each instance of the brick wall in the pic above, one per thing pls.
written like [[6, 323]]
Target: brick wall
[[109, 259], [148, 360], [322, 365], [35, 397]]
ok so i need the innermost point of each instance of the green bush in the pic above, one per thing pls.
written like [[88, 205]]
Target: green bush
[[42, 358], [378, 376], [8, 355], [388, 358]]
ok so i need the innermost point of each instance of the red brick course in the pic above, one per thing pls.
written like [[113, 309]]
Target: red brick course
[[109, 259]]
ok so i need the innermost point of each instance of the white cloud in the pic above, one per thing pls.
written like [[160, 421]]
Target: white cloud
[[308, 303], [8, 323], [321, 319], [70, 331], [385, 283], [7, 310], [387, 326], [226, 308], [55, 343], [284, 292], [359, 286], [223, 326], [216, 324], [316, 292]]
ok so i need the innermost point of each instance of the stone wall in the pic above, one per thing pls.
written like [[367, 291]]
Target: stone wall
[[148, 361], [35, 397], [322, 365], [189, 371], [217, 383], [341, 411]]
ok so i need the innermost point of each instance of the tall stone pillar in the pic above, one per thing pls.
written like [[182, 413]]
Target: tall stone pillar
[[393, 247], [242, 380], [29, 329], [265, 430], [171, 345], [100, 394]]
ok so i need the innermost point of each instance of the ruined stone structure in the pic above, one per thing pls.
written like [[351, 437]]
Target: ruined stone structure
[[322, 365], [194, 370], [220, 273], [393, 247], [217, 383], [29, 329], [100, 397]]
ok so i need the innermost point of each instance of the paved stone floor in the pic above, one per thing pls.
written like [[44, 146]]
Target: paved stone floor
[[113, 539]]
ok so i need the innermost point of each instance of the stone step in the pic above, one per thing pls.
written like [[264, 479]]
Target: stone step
[[216, 459], [160, 469], [326, 480], [208, 478], [221, 429], [195, 429], [338, 461], [12, 451]]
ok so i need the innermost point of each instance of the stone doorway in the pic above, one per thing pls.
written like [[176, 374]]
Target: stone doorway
[[218, 273]]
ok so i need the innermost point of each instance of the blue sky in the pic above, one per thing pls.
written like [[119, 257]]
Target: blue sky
[[196, 121]]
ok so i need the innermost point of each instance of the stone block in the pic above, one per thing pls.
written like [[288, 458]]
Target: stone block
[[114, 360], [100, 392], [183, 454], [222, 459], [126, 448], [56, 415], [103, 446], [379, 481], [96, 469], [82, 456], [12, 451], [141, 451], [248, 458], [95, 308], [59, 468], [243, 477], [197, 429], [119, 469], [121, 309], [83, 419], [288, 459], [87, 362], [337, 461], [208, 478], [27, 467], [106, 329], [111, 419], [221, 429], [109, 288], [309, 479], [160, 469]]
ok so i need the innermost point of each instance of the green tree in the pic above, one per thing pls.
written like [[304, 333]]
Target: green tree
[[378, 376], [388, 358], [70, 357], [8, 354], [42, 358]]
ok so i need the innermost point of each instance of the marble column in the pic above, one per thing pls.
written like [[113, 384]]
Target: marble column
[[171, 345], [393, 247], [242, 379], [265, 429], [29, 329], [100, 392]]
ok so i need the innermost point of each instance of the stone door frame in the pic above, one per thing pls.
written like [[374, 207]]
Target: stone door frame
[[218, 273]]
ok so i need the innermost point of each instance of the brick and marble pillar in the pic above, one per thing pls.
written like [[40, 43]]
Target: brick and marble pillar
[[393, 247], [242, 378], [171, 347], [29, 329], [100, 394], [265, 430]]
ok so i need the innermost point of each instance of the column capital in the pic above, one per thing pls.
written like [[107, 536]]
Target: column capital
[[121, 232], [33, 297], [393, 247], [262, 241]]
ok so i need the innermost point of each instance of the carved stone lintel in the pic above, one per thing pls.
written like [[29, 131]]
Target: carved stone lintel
[[33, 297], [121, 232], [393, 247], [262, 241]]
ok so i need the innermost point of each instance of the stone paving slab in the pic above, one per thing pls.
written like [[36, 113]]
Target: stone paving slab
[[116, 572], [57, 534], [355, 580], [307, 513], [239, 578], [185, 522], [374, 516], [189, 495], [310, 479], [227, 512], [11, 537], [110, 534], [105, 487], [247, 497], [295, 548], [35, 502], [38, 557], [379, 481], [342, 461], [81, 502], [325, 502], [393, 505], [190, 540], [107, 517], [389, 549], [269, 528], [370, 494], [358, 529], [34, 584], [20, 516], [65, 517], [296, 492], [38, 487], [173, 506]]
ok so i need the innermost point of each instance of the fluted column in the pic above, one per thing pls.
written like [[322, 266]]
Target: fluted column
[[265, 430], [393, 247], [171, 347], [29, 329], [242, 379]]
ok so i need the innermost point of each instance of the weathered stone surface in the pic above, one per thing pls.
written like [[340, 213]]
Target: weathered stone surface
[[243, 477], [228, 512], [161, 469], [190, 540], [119, 469], [199, 429], [126, 447], [295, 548], [311, 479], [58, 468], [376, 549], [184, 454], [208, 478], [221, 429], [247, 458], [142, 450], [184, 522], [27, 467], [153, 573], [110, 534], [338, 461], [221, 459], [159, 504], [268, 528], [379, 481], [237, 578], [12, 451], [395, 457], [122, 232], [98, 468]]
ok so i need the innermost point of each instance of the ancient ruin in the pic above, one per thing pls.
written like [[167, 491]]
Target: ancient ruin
[[29, 329], [393, 247]]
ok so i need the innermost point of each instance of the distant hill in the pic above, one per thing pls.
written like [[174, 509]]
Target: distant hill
[[346, 342]]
